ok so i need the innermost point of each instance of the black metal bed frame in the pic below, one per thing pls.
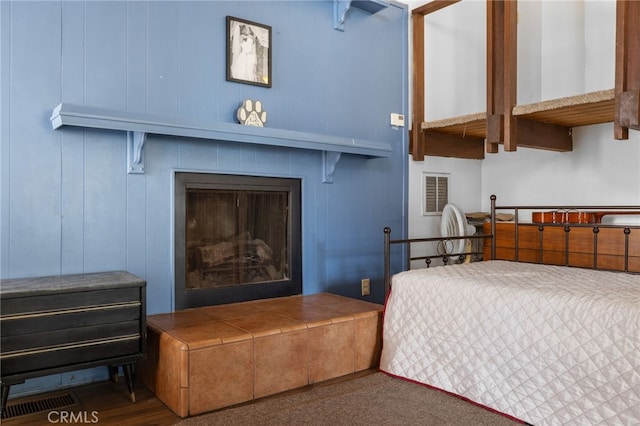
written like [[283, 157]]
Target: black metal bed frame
[[444, 242]]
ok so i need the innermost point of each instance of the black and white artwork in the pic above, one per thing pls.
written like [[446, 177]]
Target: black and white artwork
[[248, 52]]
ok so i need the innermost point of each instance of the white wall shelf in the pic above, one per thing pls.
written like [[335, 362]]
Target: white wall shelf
[[139, 125]]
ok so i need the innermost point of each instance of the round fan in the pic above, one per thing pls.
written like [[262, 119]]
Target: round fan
[[453, 224]]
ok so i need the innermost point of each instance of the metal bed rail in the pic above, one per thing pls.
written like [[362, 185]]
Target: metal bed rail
[[444, 242], [567, 227], [444, 253]]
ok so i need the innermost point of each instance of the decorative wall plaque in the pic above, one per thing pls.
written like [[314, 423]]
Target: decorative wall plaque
[[251, 113]]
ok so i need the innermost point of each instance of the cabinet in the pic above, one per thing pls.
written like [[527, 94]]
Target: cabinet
[[63, 323]]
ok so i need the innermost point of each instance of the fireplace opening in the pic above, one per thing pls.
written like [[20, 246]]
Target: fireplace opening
[[237, 238]]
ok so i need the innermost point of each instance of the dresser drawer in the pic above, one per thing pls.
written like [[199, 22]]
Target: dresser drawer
[[20, 325], [71, 355], [13, 345], [30, 304]]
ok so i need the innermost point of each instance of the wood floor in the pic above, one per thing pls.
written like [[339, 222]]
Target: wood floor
[[110, 404], [105, 403]]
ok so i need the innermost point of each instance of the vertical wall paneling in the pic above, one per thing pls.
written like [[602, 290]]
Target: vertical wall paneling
[[105, 54], [163, 155], [68, 203], [352, 253], [136, 100], [72, 143], [104, 201], [34, 193], [163, 58], [105, 151], [201, 60], [137, 41], [5, 73], [315, 208]]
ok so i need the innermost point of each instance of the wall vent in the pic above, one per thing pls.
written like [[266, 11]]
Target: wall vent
[[39, 405], [435, 193]]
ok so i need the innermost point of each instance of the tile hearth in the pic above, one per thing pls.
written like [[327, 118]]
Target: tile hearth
[[203, 359]]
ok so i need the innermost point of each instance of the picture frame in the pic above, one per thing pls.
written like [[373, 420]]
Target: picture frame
[[248, 52]]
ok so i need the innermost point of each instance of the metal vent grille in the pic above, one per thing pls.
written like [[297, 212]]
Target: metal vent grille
[[435, 193], [39, 405]]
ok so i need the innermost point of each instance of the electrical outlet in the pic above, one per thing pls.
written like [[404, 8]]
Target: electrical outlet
[[366, 286]]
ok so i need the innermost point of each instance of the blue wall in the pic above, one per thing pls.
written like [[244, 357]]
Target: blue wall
[[68, 205]]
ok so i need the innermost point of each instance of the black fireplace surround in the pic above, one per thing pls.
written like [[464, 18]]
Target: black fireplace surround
[[237, 238]]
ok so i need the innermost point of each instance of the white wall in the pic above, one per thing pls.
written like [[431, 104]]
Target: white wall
[[599, 170], [454, 60], [466, 194], [564, 48], [454, 85]]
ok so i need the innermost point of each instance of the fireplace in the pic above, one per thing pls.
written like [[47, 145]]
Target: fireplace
[[237, 238]]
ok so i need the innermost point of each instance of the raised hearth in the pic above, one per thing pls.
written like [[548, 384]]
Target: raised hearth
[[207, 358]]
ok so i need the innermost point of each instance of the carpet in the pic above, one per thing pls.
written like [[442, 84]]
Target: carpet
[[372, 399]]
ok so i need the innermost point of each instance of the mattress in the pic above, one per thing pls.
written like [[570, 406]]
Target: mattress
[[544, 344]]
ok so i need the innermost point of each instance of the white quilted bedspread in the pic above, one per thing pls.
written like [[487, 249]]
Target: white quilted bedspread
[[545, 344]]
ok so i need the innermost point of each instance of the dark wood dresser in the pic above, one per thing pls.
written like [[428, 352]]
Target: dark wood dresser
[[62, 323]]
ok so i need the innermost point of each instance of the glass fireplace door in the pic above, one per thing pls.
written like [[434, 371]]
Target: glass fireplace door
[[237, 238]]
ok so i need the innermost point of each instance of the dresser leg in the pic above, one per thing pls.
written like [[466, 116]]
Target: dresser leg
[[128, 374], [5, 397]]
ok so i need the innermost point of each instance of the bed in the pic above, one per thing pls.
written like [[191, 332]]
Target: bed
[[544, 344]]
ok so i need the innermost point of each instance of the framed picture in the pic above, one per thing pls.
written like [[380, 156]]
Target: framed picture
[[248, 52]]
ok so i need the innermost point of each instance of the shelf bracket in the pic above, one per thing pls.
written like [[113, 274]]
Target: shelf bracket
[[341, 7], [135, 151], [329, 161]]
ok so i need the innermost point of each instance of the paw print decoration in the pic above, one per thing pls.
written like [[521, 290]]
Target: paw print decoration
[[250, 113]]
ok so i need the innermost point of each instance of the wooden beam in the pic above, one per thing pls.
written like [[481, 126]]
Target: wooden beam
[[510, 72], [627, 88], [535, 134], [416, 147], [444, 145], [501, 74], [433, 6], [417, 140], [494, 131], [495, 17], [629, 109]]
